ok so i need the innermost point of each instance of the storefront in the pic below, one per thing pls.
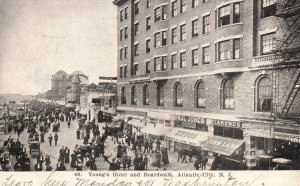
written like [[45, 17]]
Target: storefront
[[266, 141], [228, 129], [154, 132], [228, 152], [134, 124], [185, 138]]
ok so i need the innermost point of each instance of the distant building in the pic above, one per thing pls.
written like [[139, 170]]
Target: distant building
[[67, 87], [99, 101]]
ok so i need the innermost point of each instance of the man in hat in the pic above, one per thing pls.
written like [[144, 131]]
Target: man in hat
[[50, 139]]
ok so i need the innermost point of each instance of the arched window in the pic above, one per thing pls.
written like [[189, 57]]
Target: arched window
[[146, 95], [178, 95], [133, 95], [160, 95], [264, 95], [228, 96], [200, 95], [123, 95]]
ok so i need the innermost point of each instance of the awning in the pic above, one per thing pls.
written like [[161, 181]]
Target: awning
[[159, 115], [222, 145], [136, 123], [282, 160], [83, 111], [191, 137], [158, 130]]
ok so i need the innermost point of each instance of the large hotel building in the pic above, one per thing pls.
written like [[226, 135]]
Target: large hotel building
[[219, 76]]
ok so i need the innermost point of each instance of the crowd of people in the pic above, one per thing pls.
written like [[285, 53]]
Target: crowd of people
[[132, 150]]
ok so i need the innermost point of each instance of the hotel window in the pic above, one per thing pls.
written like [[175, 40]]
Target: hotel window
[[136, 49], [148, 23], [125, 71], [164, 63], [224, 16], [123, 95], [146, 95], [125, 52], [121, 53], [236, 13], [133, 95], [173, 61], [206, 27], [182, 6], [157, 40], [268, 8], [157, 14], [264, 95], [174, 35], [174, 8], [200, 96], [195, 57], [236, 48], [268, 43], [195, 3], [125, 12], [157, 64], [126, 32], [182, 32], [160, 95], [164, 38], [228, 97], [136, 8], [182, 60], [164, 10], [195, 30], [223, 50], [148, 3], [178, 95], [205, 54], [121, 15], [147, 67], [148, 46], [135, 69], [136, 29], [121, 72], [121, 34]]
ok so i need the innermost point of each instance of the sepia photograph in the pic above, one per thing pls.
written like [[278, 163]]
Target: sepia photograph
[[149, 86]]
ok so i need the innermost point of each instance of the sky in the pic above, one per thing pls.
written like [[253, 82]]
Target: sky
[[40, 37]]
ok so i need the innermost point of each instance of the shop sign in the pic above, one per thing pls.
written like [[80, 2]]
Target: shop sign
[[190, 119], [262, 134], [186, 134], [222, 144], [255, 126], [287, 137], [223, 123]]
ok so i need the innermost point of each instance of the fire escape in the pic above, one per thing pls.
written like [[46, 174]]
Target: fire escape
[[288, 49]]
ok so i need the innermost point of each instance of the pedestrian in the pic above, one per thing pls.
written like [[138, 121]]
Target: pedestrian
[[50, 139], [146, 161], [158, 144], [67, 155], [180, 152], [55, 139], [128, 161], [47, 160], [213, 164], [69, 123], [203, 162], [185, 153], [146, 146], [78, 133]]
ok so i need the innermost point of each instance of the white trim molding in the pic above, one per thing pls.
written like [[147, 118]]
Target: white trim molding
[[227, 3], [268, 30], [228, 38]]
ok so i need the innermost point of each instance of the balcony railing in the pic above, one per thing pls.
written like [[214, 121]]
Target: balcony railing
[[287, 57], [266, 60]]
